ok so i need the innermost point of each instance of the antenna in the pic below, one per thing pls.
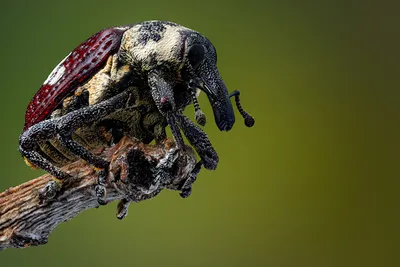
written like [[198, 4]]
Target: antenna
[[248, 119]]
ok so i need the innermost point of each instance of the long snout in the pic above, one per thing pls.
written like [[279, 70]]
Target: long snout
[[220, 102]]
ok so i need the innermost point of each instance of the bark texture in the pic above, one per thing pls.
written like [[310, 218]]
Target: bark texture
[[137, 172]]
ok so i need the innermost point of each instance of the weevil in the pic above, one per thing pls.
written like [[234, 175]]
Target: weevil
[[131, 80]]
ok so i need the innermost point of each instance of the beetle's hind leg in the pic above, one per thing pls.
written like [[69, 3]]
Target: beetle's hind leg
[[53, 149], [70, 122], [29, 146]]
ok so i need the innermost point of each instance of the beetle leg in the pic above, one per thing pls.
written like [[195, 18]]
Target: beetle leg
[[122, 208], [186, 189], [53, 149], [199, 140], [163, 95], [171, 119], [70, 122], [29, 147]]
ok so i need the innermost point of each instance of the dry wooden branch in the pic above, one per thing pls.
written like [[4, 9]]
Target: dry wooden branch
[[139, 172]]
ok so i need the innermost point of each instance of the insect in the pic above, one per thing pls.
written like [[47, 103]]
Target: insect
[[132, 80]]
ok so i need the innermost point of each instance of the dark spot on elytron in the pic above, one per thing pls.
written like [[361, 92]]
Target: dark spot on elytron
[[107, 45], [106, 36]]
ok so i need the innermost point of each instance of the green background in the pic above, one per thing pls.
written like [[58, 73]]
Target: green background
[[314, 183]]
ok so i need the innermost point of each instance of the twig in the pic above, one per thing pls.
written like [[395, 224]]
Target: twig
[[137, 172]]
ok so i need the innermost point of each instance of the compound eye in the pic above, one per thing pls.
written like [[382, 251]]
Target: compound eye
[[196, 55]]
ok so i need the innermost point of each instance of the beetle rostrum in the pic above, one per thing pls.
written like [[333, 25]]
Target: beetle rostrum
[[131, 81]]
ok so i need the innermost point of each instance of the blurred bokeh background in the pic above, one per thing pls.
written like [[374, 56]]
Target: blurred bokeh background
[[314, 183]]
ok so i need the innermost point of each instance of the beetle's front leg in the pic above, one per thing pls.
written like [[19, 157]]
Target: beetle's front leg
[[199, 140], [162, 92], [186, 189]]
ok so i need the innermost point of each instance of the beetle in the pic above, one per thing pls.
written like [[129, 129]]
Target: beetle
[[153, 69]]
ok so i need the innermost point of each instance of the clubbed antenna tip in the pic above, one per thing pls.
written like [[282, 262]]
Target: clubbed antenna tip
[[248, 119]]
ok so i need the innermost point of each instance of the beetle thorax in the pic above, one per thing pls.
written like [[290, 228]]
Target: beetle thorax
[[153, 44]]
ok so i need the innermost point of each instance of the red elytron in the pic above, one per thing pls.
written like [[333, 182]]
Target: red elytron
[[77, 68]]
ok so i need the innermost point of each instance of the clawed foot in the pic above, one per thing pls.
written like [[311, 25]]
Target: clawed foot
[[101, 194], [185, 193], [186, 189], [122, 208], [101, 191], [210, 159], [199, 140], [50, 190]]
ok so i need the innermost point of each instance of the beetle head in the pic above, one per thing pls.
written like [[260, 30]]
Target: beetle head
[[200, 69]]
